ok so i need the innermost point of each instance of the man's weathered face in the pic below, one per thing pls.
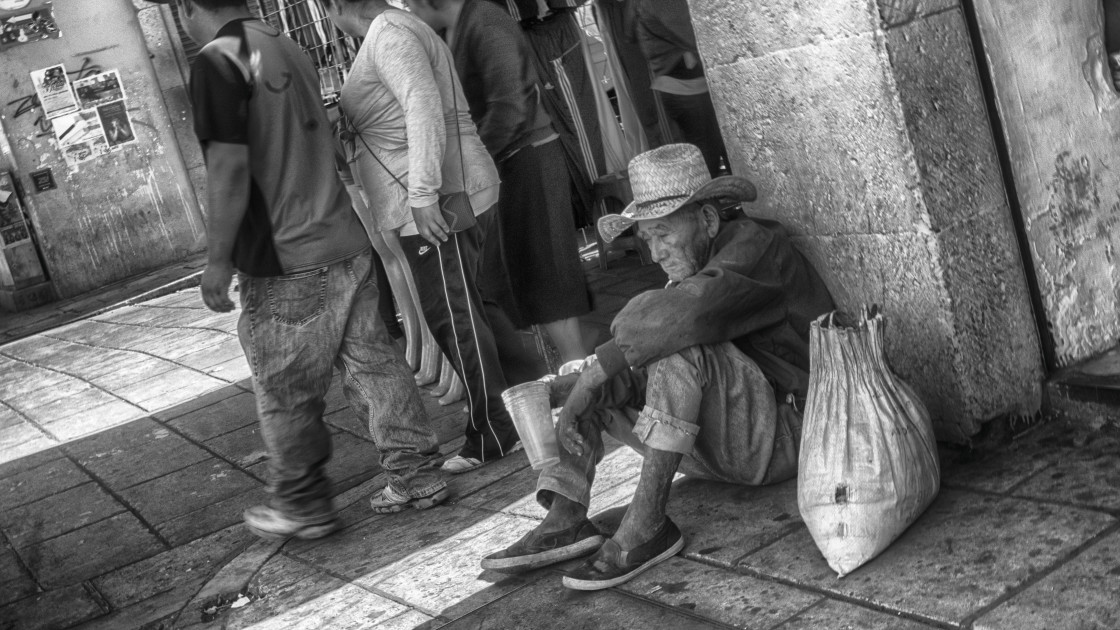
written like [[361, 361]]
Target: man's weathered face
[[680, 241]]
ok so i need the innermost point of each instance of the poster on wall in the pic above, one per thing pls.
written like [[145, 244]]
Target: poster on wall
[[23, 21], [13, 228], [53, 87], [116, 123], [98, 89], [80, 136]]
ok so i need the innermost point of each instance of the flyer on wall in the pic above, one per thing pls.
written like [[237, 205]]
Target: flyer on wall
[[80, 136], [53, 87], [116, 123], [99, 89], [23, 21]]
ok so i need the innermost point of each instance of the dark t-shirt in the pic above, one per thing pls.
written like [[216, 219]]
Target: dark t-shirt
[[252, 85]]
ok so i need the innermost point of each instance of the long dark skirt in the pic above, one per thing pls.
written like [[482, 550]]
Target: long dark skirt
[[538, 236]]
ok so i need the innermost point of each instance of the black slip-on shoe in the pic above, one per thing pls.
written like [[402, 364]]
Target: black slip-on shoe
[[536, 550], [613, 566]]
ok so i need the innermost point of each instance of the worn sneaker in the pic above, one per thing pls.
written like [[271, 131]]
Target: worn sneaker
[[388, 501], [458, 465], [268, 522], [613, 565], [536, 550]]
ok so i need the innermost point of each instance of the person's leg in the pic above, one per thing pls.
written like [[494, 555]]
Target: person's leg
[[287, 330], [379, 387], [445, 278], [385, 306], [564, 489], [565, 333], [519, 364], [711, 403], [696, 118]]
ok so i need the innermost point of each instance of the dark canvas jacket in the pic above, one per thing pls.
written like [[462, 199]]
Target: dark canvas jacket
[[757, 291], [495, 63]]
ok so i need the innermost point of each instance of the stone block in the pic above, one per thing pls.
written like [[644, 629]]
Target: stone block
[[947, 121], [187, 490], [821, 133], [952, 562], [139, 451], [99, 413], [210, 415], [58, 514], [545, 602], [38, 482], [211, 518], [170, 389], [191, 564], [830, 613], [61, 608], [724, 522], [995, 346], [347, 553], [15, 583], [1081, 594], [243, 447], [281, 586], [225, 350], [894, 13], [732, 30], [444, 576], [1087, 475], [721, 595], [21, 441], [90, 551]]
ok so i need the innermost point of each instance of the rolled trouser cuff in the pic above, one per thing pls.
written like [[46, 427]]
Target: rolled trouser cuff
[[661, 431]]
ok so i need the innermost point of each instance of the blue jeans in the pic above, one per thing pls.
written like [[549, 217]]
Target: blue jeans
[[293, 329], [710, 403]]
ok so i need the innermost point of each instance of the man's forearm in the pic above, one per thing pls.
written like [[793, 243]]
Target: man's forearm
[[228, 177]]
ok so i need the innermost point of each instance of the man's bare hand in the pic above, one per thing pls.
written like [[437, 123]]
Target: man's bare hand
[[560, 387], [430, 223], [578, 403], [215, 287]]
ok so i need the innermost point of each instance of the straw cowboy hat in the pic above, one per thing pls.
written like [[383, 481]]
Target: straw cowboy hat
[[667, 178]]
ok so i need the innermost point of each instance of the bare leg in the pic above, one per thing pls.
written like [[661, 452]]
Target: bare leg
[[647, 511], [565, 333]]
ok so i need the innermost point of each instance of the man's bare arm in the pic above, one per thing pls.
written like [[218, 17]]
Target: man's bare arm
[[228, 176]]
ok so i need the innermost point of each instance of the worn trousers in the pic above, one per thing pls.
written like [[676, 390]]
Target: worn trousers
[[710, 403], [293, 329], [447, 278]]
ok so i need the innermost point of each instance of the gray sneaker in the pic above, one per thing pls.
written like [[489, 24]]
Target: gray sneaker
[[268, 522]]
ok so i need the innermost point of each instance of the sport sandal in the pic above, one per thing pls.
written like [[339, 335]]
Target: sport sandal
[[538, 550], [389, 501], [613, 566]]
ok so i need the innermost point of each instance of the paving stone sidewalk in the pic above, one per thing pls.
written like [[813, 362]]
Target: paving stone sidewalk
[[129, 448]]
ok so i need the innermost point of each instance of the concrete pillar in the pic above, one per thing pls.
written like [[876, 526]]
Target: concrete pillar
[[864, 127]]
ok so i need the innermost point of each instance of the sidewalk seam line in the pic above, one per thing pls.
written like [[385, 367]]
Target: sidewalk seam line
[[749, 572], [33, 423], [369, 589], [1022, 497], [140, 352], [684, 612], [75, 377], [7, 542], [113, 493], [1058, 564], [211, 451], [157, 326]]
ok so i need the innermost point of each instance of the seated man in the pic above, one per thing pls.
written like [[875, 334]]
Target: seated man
[[711, 370]]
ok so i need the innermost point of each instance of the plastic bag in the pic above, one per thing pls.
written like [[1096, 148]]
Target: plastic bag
[[868, 461]]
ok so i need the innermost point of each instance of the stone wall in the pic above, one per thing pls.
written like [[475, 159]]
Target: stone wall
[[121, 214], [1061, 116], [864, 127]]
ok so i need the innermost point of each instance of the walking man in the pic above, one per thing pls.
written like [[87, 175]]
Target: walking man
[[279, 215]]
